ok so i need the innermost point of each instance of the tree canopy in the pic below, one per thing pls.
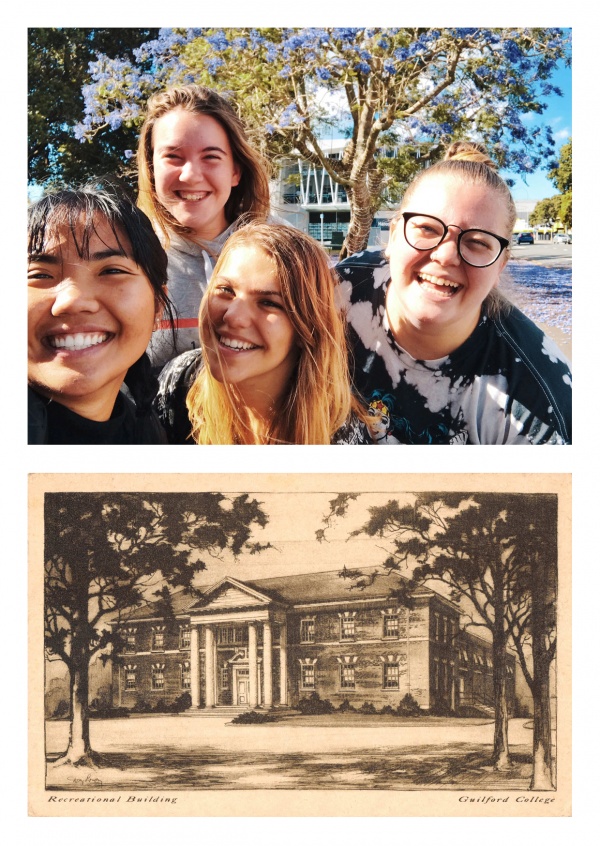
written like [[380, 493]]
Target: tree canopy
[[58, 68], [410, 90], [560, 206], [497, 556], [107, 553]]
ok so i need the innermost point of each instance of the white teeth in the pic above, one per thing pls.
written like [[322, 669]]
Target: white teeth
[[199, 196], [435, 280], [237, 345], [79, 341]]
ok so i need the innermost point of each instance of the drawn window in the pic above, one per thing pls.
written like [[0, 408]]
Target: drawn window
[[391, 625], [391, 676], [230, 635], [185, 638], [347, 676], [158, 640], [130, 678], [307, 630], [130, 645], [186, 676], [347, 628], [158, 677], [224, 678], [308, 676]]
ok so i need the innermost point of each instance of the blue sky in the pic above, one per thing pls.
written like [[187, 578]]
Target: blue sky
[[558, 116]]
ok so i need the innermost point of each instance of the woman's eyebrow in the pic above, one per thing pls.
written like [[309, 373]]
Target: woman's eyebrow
[[47, 258], [110, 252]]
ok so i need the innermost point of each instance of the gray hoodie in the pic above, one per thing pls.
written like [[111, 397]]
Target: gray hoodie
[[189, 271]]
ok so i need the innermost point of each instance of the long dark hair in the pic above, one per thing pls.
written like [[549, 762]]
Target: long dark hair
[[78, 211]]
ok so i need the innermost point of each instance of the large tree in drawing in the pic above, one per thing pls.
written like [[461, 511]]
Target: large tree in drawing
[[496, 555], [106, 553]]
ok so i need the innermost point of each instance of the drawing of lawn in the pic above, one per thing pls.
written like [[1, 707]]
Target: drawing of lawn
[[179, 752]]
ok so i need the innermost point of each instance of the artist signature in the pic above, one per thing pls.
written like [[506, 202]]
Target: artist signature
[[88, 781]]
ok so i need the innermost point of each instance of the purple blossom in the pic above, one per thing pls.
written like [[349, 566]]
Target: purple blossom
[[362, 67], [389, 67], [129, 154], [218, 41], [345, 34], [323, 73], [213, 64]]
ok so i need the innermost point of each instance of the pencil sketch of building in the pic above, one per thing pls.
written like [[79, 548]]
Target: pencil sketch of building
[[271, 642]]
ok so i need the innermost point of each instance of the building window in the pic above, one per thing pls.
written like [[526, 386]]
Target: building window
[[347, 626], [230, 635], [130, 678], [224, 678], [185, 638], [307, 630], [130, 645], [158, 677], [307, 680], [391, 625], [186, 676], [347, 681], [158, 640], [391, 676]]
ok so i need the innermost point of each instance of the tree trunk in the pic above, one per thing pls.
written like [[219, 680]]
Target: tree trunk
[[79, 750], [361, 218], [543, 775], [500, 755]]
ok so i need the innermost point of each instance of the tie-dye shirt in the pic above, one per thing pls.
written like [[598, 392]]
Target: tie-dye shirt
[[508, 383]]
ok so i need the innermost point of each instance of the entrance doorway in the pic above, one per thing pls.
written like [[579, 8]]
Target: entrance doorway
[[241, 685]]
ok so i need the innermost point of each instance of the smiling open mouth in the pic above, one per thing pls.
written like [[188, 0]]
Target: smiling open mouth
[[192, 197], [238, 346], [440, 286], [78, 341]]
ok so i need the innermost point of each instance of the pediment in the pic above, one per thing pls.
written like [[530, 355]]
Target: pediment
[[229, 594]]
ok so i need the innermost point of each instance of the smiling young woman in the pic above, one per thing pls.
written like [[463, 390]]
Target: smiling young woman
[[96, 276], [197, 176], [273, 365], [455, 362]]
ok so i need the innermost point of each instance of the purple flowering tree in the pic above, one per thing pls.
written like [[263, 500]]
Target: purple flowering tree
[[411, 89]]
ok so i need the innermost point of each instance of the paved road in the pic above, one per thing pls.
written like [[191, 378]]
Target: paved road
[[542, 252]]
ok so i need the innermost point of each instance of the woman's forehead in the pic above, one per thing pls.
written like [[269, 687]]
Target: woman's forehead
[[88, 234], [459, 201]]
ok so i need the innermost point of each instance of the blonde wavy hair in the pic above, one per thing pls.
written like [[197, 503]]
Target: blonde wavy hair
[[250, 197], [469, 161], [319, 399]]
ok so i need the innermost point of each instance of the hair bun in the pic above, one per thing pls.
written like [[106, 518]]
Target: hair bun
[[469, 151]]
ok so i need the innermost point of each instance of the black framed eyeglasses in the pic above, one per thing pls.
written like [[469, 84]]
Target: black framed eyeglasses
[[476, 247]]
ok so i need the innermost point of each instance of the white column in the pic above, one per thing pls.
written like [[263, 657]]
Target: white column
[[283, 680], [267, 664], [253, 664], [209, 653], [195, 665]]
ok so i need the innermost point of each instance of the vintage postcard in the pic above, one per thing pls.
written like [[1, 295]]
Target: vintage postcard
[[300, 645]]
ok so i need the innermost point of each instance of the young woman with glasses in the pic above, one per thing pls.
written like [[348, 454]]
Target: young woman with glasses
[[455, 361]]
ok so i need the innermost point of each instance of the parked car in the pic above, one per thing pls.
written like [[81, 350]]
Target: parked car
[[525, 238], [562, 238]]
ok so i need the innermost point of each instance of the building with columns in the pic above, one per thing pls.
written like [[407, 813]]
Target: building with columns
[[269, 643]]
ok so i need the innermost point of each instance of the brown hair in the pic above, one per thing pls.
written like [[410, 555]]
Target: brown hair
[[319, 399], [250, 196]]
